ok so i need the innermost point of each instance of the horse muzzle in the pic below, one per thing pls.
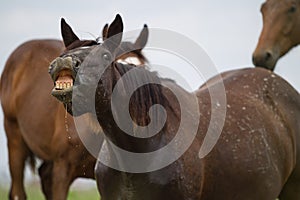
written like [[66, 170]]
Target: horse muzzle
[[63, 72], [265, 58]]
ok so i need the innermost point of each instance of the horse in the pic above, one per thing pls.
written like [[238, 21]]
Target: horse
[[61, 68], [280, 33], [37, 125], [252, 159]]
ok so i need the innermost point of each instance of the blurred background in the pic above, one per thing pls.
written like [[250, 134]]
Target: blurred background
[[227, 30]]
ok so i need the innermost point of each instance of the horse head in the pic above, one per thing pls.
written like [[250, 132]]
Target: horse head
[[280, 33], [64, 69]]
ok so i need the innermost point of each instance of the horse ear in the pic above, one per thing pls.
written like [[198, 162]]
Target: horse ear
[[67, 33], [115, 27], [114, 32], [105, 32], [141, 41]]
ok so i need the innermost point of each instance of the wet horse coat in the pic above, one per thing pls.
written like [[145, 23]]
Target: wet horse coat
[[36, 124], [252, 159], [280, 33]]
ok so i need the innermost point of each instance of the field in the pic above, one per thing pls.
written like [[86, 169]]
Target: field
[[34, 193]]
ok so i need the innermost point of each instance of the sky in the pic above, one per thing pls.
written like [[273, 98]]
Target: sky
[[227, 30]]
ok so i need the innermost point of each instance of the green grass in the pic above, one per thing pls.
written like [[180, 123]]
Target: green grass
[[80, 195], [34, 193]]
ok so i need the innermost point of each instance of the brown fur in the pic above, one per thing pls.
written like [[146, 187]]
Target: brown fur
[[264, 134], [37, 124], [253, 158], [280, 33]]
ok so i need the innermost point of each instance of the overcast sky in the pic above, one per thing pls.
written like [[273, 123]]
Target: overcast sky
[[227, 30]]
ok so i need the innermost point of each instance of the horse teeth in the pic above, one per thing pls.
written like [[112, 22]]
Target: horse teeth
[[63, 82]]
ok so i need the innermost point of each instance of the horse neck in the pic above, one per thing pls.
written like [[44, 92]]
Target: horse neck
[[140, 103], [295, 36]]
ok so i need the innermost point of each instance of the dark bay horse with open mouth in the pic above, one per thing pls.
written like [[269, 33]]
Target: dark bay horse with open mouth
[[36, 124], [280, 33], [63, 69], [252, 159]]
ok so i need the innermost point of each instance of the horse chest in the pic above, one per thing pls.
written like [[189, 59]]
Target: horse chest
[[128, 186], [147, 186]]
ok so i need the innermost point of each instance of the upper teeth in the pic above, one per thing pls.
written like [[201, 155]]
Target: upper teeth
[[63, 83]]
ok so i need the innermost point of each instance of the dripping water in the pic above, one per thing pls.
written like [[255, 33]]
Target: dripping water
[[66, 122], [69, 138]]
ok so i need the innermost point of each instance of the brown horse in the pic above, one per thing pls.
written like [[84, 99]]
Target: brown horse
[[36, 124], [280, 33], [252, 159]]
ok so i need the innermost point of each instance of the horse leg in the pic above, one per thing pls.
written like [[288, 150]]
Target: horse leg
[[45, 172], [61, 179], [291, 190], [18, 152]]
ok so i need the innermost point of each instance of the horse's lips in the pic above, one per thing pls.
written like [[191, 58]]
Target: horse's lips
[[63, 87], [63, 95]]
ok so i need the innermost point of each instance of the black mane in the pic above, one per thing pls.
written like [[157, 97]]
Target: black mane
[[145, 96]]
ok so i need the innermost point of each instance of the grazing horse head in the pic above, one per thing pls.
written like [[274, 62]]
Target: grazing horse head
[[280, 33], [63, 69]]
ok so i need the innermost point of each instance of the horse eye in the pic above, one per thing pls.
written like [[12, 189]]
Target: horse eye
[[76, 63], [292, 9], [106, 56]]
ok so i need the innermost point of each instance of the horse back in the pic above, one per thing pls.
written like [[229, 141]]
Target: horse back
[[260, 133], [25, 71]]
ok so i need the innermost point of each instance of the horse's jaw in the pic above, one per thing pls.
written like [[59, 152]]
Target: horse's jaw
[[64, 96], [63, 75]]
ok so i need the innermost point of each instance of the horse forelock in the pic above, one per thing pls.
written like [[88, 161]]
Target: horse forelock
[[81, 43]]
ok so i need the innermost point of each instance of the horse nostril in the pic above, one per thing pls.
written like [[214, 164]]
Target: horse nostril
[[268, 56], [263, 58]]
